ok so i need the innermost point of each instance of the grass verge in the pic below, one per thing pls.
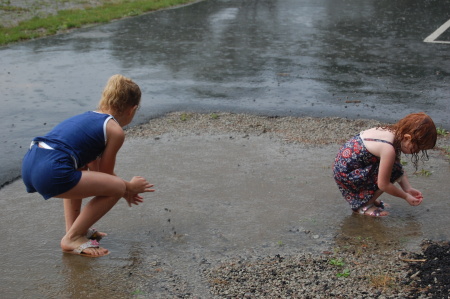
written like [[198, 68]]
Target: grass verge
[[76, 18]]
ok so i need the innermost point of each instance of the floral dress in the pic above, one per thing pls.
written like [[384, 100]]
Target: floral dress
[[356, 171]]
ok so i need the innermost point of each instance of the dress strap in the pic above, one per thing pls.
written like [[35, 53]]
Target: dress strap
[[378, 140]]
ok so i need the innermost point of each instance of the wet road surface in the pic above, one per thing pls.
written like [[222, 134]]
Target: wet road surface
[[349, 58], [217, 198]]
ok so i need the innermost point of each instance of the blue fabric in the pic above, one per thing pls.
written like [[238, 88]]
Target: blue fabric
[[82, 136], [76, 142], [49, 172]]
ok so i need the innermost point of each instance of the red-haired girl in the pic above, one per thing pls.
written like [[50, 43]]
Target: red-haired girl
[[369, 163]]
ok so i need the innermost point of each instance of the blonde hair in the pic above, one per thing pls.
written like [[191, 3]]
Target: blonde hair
[[119, 94]]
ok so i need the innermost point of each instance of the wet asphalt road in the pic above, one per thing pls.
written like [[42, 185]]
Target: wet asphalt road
[[349, 58]]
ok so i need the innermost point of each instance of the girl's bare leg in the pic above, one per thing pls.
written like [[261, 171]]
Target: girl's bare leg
[[375, 197], [91, 213], [78, 222], [72, 208]]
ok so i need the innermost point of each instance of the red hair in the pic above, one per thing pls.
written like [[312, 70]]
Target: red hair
[[423, 134]]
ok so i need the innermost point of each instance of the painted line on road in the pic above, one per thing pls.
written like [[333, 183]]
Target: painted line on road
[[433, 36]]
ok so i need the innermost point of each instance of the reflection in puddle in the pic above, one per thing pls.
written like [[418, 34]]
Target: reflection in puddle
[[382, 232], [106, 277]]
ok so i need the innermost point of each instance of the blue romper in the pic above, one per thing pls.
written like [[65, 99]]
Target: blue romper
[[51, 168], [356, 171]]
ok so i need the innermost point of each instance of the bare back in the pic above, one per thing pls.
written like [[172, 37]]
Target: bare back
[[377, 133]]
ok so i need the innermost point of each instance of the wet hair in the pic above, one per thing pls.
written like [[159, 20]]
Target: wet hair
[[423, 135], [119, 94]]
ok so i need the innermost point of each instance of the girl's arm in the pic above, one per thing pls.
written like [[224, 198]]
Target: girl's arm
[[416, 196], [115, 139], [387, 159]]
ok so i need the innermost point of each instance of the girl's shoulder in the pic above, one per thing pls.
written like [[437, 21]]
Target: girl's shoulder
[[113, 129], [378, 133]]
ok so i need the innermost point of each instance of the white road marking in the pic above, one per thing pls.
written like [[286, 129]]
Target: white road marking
[[432, 37]]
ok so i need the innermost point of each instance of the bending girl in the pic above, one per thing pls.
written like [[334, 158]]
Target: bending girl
[[369, 163], [76, 160]]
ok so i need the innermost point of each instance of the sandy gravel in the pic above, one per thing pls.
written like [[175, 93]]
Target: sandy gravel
[[309, 130], [383, 272]]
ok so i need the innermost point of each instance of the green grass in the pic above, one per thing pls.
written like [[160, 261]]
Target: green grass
[[76, 18], [185, 116], [337, 262], [340, 263], [441, 131], [345, 273], [423, 172]]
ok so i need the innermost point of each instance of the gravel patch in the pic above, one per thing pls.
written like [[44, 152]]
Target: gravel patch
[[353, 269], [344, 275], [307, 130], [363, 272], [315, 131]]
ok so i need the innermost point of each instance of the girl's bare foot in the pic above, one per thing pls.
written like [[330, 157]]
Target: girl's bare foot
[[372, 210], [83, 246]]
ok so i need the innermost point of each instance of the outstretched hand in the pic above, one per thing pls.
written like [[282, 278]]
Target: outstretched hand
[[137, 185], [134, 199]]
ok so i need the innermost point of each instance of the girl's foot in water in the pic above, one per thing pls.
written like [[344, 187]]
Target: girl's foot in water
[[380, 204], [372, 210]]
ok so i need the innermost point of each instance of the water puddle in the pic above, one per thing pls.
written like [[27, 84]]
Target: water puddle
[[217, 198]]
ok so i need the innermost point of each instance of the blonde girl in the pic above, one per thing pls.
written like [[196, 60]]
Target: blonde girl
[[76, 160]]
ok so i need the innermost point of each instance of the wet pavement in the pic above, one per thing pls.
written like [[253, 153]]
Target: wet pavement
[[349, 58], [217, 198]]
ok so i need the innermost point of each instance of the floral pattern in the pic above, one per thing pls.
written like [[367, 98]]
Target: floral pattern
[[356, 172]]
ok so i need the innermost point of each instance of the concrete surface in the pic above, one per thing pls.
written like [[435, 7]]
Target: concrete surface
[[346, 58], [217, 197]]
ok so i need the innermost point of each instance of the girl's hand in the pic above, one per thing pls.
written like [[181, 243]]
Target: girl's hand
[[134, 199], [414, 200], [139, 185], [415, 193]]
